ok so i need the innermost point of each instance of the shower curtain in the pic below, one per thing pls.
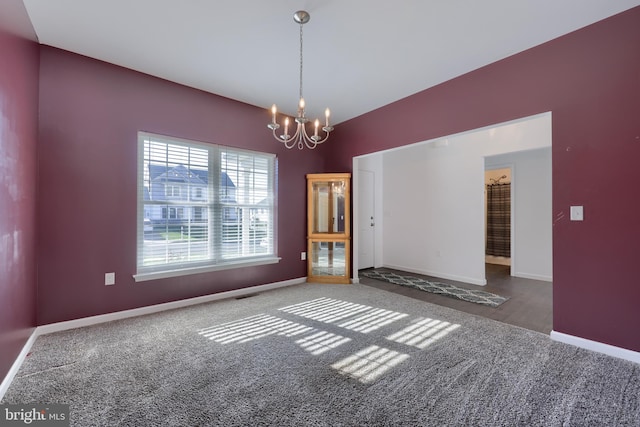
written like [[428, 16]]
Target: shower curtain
[[499, 220]]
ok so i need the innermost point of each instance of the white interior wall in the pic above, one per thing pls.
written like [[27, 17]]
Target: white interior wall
[[433, 198]]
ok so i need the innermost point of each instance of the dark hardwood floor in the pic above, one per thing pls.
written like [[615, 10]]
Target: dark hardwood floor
[[529, 304]]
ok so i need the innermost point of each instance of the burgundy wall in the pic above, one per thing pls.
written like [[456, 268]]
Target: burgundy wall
[[90, 113], [590, 80], [18, 135]]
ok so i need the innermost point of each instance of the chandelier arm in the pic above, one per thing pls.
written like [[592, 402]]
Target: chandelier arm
[[288, 142], [295, 139], [307, 140], [279, 138], [301, 138], [313, 141], [320, 141]]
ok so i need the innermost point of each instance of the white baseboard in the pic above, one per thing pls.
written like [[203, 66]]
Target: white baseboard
[[533, 276], [464, 279], [610, 350], [4, 386], [94, 320]]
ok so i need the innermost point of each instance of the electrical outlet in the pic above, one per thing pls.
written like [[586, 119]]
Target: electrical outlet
[[109, 279], [303, 256]]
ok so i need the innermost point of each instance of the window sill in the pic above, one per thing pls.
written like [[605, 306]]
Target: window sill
[[163, 274]]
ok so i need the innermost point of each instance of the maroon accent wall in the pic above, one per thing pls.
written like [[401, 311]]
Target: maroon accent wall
[[90, 113], [590, 81], [18, 135]]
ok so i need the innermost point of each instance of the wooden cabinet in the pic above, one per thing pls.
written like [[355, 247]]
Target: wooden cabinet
[[329, 227]]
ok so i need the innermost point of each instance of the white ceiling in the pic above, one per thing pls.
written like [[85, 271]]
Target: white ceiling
[[358, 54]]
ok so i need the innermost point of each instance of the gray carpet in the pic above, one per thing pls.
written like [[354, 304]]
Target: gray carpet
[[324, 355], [405, 279]]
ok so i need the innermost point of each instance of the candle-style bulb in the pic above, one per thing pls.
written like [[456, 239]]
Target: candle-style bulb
[[274, 110], [301, 104], [327, 113]]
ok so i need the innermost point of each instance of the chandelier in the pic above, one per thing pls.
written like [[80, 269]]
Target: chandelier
[[300, 137]]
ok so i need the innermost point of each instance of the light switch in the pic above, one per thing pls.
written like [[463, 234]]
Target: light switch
[[109, 279], [577, 213]]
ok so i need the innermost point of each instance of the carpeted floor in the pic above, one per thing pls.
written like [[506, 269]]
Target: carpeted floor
[[324, 355], [413, 281]]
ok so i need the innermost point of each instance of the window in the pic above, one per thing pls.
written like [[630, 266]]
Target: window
[[197, 213], [229, 220], [172, 191]]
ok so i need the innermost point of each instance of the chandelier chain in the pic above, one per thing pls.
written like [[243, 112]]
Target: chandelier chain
[[301, 61]]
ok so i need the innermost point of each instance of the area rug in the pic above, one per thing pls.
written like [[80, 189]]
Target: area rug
[[470, 295]]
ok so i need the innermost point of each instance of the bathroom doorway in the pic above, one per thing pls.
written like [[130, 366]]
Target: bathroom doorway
[[498, 216]]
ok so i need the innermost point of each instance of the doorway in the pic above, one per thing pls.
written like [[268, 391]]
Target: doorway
[[366, 219], [498, 215], [430, 220]]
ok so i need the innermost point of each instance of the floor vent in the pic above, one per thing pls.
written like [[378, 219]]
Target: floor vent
[[246, 296]]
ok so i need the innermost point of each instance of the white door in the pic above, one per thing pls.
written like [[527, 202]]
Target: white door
[[366, 219]]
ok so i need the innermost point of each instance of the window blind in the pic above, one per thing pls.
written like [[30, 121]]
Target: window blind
[[202, 205]]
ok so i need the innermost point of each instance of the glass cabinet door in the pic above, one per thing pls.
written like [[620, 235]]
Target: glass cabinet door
[[328, 258], [328, 207]]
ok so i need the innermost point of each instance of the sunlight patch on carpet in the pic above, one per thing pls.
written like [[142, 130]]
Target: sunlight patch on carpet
[[356, 317], [252, 328], [372, 320], [366, 365], [423, 333], [369, 364], [321, 342], [325, 310]]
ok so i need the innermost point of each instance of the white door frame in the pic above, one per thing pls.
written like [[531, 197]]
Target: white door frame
[[370, 162]]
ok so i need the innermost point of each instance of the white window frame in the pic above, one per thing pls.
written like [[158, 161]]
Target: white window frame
[[219, 260], [172, 190]]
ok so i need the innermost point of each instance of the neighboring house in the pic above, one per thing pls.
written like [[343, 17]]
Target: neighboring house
[[178, 184]]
